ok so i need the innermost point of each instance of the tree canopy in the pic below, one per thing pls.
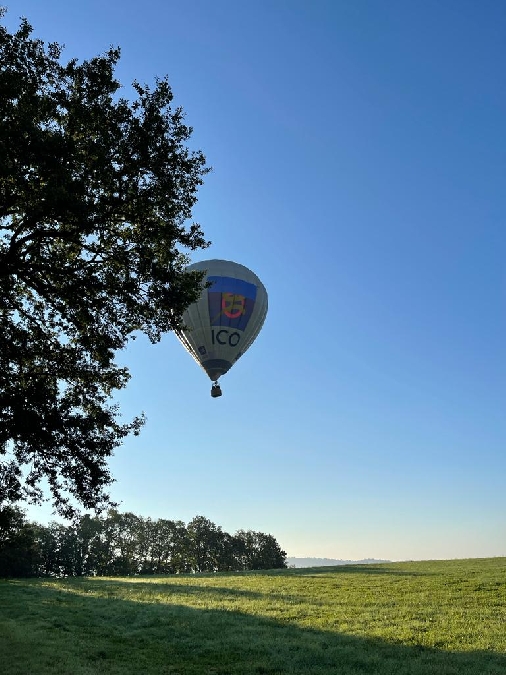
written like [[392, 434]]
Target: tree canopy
[[96, 197], [120, 544]]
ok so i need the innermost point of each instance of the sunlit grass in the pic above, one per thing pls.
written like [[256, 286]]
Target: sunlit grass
[[405, 618]]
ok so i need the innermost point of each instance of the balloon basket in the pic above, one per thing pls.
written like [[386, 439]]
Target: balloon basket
[[216, 390]]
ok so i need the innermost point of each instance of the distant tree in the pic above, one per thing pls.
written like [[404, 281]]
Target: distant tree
[[87, 536], [167, 547], [122, 537], [62, 547], [48, 542], [204, 544], [95, 194], [19, 553], [229, 557], [260, 551]]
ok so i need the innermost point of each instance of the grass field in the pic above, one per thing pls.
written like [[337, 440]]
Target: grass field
[[441, 618]]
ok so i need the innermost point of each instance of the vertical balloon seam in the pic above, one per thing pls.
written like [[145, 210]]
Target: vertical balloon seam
[[184, 336], [199, 316]]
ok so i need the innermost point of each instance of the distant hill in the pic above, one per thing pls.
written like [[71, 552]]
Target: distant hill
[[330, 562]]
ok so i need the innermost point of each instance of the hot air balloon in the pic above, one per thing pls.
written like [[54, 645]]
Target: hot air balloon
[[226, 319]]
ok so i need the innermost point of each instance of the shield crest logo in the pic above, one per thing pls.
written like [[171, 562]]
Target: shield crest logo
[[231, 302]]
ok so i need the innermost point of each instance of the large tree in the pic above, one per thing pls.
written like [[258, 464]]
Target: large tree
[[96, 196]]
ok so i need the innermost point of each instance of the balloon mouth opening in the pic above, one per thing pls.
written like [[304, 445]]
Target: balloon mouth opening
[[215, 368]]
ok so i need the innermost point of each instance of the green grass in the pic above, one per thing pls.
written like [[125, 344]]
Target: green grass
[[441, 618]]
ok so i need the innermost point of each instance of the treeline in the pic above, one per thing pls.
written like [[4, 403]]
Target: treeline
[[121, 544]]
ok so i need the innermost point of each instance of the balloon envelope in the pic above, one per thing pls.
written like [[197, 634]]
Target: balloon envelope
[[226, 319]]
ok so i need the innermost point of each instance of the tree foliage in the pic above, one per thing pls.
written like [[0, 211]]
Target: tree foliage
[[19, 551], [95, 196], [124, 544]]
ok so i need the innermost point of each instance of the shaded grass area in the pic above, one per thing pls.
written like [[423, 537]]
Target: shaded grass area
[[444, 618]]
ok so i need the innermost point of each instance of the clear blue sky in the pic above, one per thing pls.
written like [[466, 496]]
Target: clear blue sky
[[359, 156]]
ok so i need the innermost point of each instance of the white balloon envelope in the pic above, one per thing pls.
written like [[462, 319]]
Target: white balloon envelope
[[226, 319]]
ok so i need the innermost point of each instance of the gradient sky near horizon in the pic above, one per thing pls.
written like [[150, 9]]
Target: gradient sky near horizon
[[359, 162]]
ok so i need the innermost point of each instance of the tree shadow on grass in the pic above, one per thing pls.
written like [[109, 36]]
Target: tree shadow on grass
[[56, 632]]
